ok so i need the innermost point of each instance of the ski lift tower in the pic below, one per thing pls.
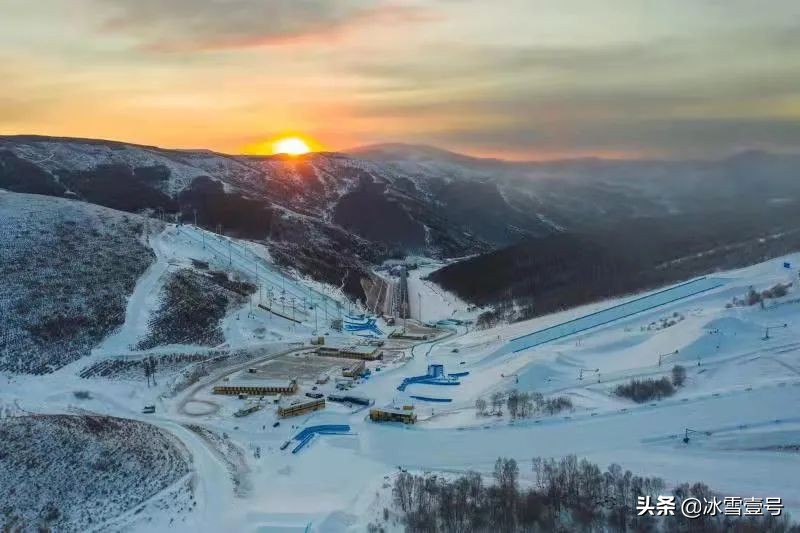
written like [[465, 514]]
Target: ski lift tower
[[769, 328]]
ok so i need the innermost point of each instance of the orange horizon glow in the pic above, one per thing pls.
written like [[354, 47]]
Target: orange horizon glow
[[530, 82], [292, 145]]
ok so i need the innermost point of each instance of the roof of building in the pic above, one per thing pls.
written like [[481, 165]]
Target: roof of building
[[301, 402], [259, 382], [352, 348], [394, 410], [360, 348]]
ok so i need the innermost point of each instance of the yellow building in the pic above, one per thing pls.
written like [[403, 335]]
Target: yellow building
[[300, 407], [390, 414], [354, 370], [356, 351], [257, 387]]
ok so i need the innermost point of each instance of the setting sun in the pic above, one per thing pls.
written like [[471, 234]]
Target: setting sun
[[291, 146]]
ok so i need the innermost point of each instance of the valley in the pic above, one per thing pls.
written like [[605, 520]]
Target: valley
[[271, 395]]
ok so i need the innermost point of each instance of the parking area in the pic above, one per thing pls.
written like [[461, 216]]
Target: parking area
[[304, 367]]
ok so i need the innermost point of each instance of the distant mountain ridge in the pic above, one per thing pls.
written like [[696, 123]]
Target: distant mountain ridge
[[334, 215], [549, 274]]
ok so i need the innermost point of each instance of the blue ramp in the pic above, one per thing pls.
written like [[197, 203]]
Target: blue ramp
[[308, 434], [429, 399], [611, 314]]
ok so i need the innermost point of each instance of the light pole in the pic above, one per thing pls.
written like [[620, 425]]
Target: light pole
[[689, 431], [663, 355], [768, 328]]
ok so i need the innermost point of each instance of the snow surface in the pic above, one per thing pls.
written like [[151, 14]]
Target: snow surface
[[740, 387]]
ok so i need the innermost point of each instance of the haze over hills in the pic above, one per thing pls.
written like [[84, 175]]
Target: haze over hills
[[122, 328], [334, 215]]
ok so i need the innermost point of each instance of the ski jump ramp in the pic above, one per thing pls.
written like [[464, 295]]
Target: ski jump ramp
[[361, 324]]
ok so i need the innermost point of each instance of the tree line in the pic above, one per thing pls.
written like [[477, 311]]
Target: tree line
[[566, 495], [521, 404]]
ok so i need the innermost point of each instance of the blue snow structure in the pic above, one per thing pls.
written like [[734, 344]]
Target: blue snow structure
[[429, 399], [361, 324], [308, 434], [610, 314], [435, 376]]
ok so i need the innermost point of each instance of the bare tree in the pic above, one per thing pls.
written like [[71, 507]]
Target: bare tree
[[538, 400], [678, 375], [480, 405], [497, 402], [525, 405], [513, 403], [506, 474], [404, 491]]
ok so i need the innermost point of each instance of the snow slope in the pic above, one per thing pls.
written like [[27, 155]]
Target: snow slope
[[67, 268], [741, 388]]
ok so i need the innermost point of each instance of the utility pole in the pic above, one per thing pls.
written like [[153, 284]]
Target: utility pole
[[689, 431], [768, 328], [663, 355]]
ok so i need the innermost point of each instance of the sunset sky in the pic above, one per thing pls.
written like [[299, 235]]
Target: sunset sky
[[521, 79]]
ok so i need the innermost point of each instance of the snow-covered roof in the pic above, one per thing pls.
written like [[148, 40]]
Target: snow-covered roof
[[394, 410], [257, 382]]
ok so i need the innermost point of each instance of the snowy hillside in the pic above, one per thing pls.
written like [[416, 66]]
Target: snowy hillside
[[515, 391], [67, 268], [142, 356], [78, 473], [397, 197], [541, 276]]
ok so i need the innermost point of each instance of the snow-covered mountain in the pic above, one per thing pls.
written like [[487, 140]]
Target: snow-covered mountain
[[332, 215], [107, 314], [413, 198], [67, 268]]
